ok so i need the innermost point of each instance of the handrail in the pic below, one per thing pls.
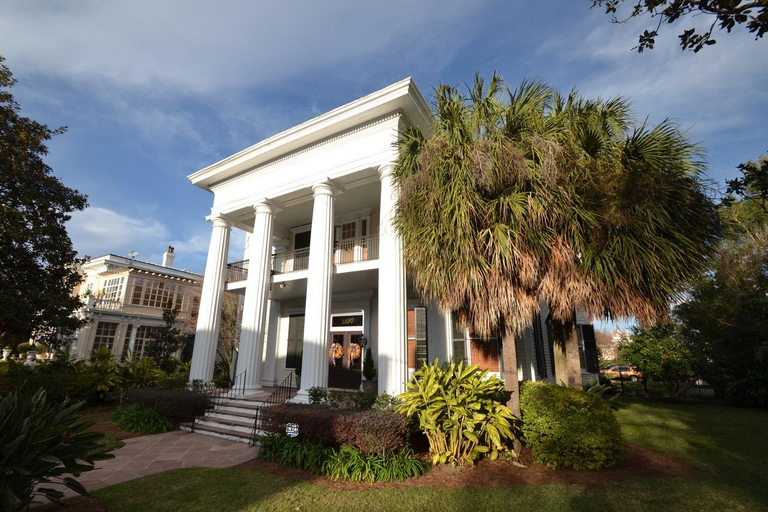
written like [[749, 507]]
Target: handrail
[[278, 396], [218, 398]]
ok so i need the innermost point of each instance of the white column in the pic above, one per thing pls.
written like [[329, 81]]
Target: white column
[[314, 361], [132, 340], [270, 357], [211, 297], [439, 338], [393, 337], [256, 296]]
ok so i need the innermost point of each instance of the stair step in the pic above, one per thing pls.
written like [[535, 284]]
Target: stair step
[[232, 415], [224, 433], [240, 427]]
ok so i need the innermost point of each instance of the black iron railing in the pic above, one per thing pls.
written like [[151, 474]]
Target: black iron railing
[[279, 396], [237, 271], [218, 398]]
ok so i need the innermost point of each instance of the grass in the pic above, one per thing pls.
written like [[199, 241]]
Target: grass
[[726, 447]]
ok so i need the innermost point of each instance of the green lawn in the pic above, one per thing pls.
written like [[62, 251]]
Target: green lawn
[[726, 447]]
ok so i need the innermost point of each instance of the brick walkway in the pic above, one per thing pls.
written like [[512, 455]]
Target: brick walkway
[[148, 455]]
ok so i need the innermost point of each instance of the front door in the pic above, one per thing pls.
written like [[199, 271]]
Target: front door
[[345, 356]]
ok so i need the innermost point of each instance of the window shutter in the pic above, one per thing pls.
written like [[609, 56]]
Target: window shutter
[[590, 347]]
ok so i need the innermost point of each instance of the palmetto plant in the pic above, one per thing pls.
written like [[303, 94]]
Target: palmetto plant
[[39, 443], [523, 196], [460, 411]]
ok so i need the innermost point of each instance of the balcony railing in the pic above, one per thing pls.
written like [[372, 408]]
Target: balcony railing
[[290, 261], [352, 250], [107, 304], [237, 271], [363, 248]]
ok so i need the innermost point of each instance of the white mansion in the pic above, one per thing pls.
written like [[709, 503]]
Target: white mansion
[[325, 274], [124, 301]]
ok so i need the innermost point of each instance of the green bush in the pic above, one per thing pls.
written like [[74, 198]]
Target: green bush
[[297, 453], [567, 427], [749, 392], [179, 406], [355, 400], [141, 420], [460, 410], [369, 366], [39, 442], [140, 372], [347, 463], [176, 381]]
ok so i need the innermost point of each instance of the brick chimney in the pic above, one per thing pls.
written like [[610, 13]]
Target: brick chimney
[[168, 257]]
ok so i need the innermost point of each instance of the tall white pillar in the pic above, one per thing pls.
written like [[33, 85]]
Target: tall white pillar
[[439, 336], [270, 356], [393, 336], [314, 361], [211, 297], [256, 297], [132, 340]]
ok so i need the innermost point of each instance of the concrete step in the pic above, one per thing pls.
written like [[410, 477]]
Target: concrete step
[[223, 433], [244, 427], [230, 414]]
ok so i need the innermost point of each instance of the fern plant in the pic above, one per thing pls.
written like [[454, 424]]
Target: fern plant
[[460, 410]]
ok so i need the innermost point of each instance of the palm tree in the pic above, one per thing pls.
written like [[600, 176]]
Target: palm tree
[[523, 196]]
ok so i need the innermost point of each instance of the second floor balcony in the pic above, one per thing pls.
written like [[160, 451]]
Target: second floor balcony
[[352, 250]]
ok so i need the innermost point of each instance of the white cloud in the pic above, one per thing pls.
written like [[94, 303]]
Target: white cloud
[[175, 47], [96, 231]]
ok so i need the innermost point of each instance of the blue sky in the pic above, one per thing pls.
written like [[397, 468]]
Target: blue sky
[[154, 90]]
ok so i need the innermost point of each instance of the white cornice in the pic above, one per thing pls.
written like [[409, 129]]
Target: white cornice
[[401, 96], [145, 266]]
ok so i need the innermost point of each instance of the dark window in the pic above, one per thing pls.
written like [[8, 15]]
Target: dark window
[[590, 348], [538, 344], [459, 342], [295, 341], [301, 240]]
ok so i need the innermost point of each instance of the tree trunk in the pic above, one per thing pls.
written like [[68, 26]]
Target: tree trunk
[[509, 355], [566, 353]]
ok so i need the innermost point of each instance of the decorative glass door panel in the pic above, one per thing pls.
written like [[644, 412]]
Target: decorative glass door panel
[[345, 357]]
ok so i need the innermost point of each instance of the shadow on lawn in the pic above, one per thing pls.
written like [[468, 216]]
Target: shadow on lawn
[[726, 446]]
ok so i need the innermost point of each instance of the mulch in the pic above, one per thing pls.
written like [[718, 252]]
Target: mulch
[[638, 461]]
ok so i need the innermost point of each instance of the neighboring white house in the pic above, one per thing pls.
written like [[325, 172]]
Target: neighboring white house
[[125, 299], [325, 272]]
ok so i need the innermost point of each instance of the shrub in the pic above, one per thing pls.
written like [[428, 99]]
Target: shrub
[[372, 432], [141, 373], [749, 392], [178, 405], [176, 381], [39, 442], [369, 366], [356, 400], [567, 427], [315, 422], [141, 420], [297, 453], [459, 410], [386, 402], [347, 463]]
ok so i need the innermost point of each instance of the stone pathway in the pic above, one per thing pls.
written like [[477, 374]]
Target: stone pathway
[[148, 455]]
